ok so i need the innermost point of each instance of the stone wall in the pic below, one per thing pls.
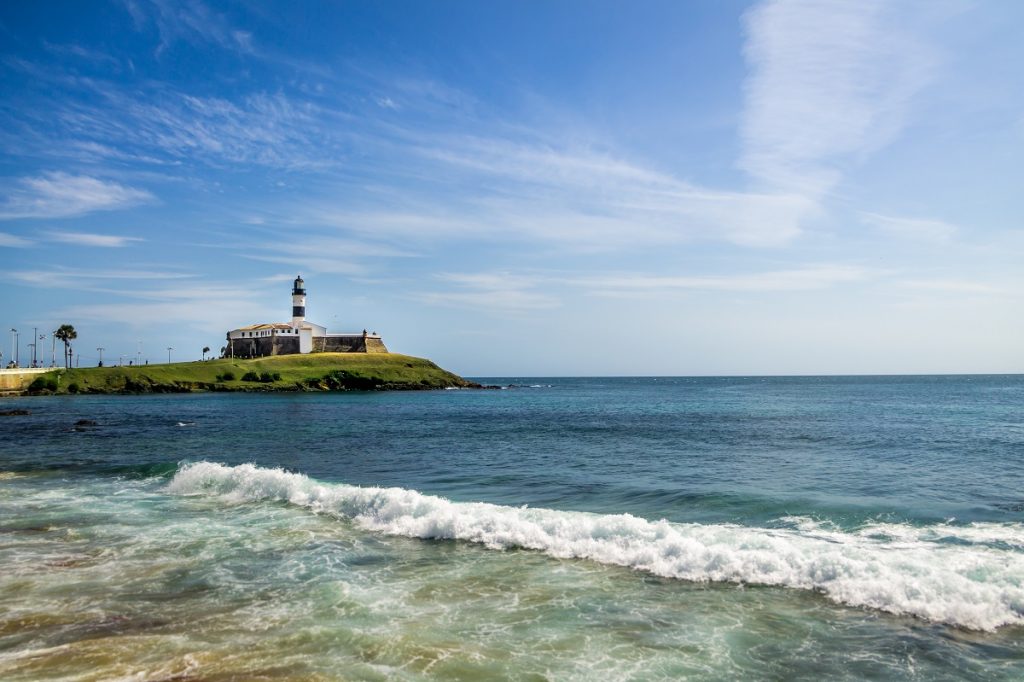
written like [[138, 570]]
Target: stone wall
[[348, 344], [263, 346], [259, 347], [17, 380]]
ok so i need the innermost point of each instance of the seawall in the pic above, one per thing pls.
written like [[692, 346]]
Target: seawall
[[13, 381]]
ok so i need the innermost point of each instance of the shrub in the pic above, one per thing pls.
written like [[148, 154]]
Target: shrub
[[42, 384], [267, 377], [226, 376], [250, 376], [277, 376], [73, 388]]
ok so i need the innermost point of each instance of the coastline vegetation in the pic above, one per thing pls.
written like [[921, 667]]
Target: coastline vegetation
[[313, 372]]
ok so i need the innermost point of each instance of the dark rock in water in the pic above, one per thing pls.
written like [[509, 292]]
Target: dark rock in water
[[14, 413], [83, 424]]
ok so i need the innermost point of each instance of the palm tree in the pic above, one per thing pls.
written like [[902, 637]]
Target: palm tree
[[66, 333], [206, 349]]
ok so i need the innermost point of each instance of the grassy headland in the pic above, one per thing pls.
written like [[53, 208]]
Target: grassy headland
[[313, 372]]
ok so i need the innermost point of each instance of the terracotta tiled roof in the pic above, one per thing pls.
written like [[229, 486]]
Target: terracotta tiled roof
[[265, 325]]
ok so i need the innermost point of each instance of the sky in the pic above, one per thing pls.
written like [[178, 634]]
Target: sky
[[522, 188]]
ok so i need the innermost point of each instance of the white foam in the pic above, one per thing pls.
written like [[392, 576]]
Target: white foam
[[1009, 535], [977, 586]]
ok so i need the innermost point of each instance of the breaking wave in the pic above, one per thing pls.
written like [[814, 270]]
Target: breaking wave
[[970, 576]]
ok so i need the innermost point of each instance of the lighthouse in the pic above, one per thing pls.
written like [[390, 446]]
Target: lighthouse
[[298, 302], [300, 336]]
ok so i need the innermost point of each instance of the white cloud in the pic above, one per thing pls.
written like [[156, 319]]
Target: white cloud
[[80, 278], [192, 313], [958, 286], [921, 229], [12, 240], [830, 80], [808, 278], [60, 195], [491, 293], [90, 239], [81, 52], [259, 128], [323, 254], [153, 298], [531, 191], [504, 291], [189, 20]]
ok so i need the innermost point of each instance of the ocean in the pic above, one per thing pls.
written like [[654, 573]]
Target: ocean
[[802, 528]]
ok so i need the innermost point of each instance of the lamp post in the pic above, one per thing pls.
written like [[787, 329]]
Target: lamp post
[[33, 347], [35, 335], [53, 349], [101, 355], [138, 353], [169, 349]]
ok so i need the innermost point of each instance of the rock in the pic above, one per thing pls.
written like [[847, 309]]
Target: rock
[[83, 424], [14, 413]]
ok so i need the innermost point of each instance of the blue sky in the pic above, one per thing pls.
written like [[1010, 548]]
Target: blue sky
[[524, 188]]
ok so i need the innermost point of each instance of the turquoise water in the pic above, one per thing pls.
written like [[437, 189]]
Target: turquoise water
[[713, 528]]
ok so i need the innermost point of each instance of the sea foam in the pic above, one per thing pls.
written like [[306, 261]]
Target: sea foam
[[975, 581]]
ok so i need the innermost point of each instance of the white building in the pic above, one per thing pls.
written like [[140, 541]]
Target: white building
[[297, 336]]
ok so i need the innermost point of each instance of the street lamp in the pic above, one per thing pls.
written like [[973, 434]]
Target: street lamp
[[33, 347], [169, 349], [14, 346], [101, 355]]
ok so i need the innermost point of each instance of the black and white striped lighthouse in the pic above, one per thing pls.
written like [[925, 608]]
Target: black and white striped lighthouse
[[298, 302]]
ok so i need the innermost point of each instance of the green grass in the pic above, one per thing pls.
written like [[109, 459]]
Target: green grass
[[313, 372]]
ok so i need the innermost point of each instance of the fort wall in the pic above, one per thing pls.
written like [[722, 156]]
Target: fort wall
[[263, 346]]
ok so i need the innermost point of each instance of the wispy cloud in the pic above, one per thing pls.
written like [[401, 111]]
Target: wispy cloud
[[61, 195], [921, 229], [189, 20], [830, 80], [80, 52], [189, 313], [490, 292], [263, 129], [961, 286], [505, 291], [809, 278], [139, 298], [83, 278], [318, 253], [534, 191], [15, 241], [92, 119], [90, 239]]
